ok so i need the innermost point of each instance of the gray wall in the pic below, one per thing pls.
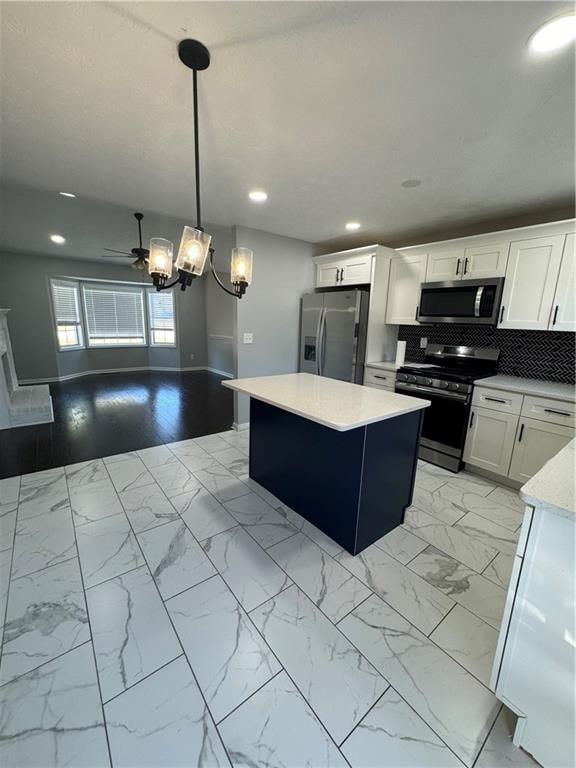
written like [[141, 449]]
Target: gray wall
[[24, 289], [283, 271], [220, 309]]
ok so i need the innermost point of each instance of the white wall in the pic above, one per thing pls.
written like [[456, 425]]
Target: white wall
[[283, 271]]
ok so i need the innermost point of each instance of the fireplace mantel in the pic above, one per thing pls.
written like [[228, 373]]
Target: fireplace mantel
[[19, 406]]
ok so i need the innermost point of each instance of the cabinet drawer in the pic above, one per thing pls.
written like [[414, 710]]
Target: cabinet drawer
[[497, 400], [379, 378], [553, 411]]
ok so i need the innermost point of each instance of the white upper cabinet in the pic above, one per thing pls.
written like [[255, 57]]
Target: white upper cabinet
[[356, 271], [564, 309], [348, 270], [327, 274], [407, 273], [475, 262], [444, 265], [482, 261], [530, 283]]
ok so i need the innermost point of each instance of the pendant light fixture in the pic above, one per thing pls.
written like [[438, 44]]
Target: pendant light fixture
[[195, 243]]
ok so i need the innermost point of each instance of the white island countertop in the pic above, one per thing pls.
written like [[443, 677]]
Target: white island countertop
[[552, 389], [552, 488], [336, 404]]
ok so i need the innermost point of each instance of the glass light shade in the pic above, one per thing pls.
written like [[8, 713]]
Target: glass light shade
[[241, 265], [193, 250], [160, 258]]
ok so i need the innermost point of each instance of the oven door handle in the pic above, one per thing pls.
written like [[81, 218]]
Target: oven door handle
[[479, 293], [436, 392]]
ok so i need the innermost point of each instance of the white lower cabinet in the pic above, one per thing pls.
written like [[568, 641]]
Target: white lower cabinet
[[490, 440], [533, 671], [536, 443], [514, 435]]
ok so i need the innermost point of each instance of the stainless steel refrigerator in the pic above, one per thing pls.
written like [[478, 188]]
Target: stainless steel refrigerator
[[333, 329]]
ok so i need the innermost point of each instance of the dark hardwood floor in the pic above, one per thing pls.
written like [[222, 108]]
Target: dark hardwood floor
[[100, 415]]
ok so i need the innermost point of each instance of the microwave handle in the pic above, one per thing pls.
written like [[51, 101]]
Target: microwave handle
[[479, 293]]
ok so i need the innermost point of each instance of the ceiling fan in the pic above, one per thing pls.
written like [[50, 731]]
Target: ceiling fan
[[140, 253]]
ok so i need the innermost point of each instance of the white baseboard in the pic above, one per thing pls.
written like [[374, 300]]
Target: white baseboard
[[241, 427], [70, 376], [220, 373]]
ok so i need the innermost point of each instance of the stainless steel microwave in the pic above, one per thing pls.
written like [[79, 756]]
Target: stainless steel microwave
[[469, 302]]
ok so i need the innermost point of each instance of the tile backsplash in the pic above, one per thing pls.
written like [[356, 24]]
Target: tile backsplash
[[534, 354]]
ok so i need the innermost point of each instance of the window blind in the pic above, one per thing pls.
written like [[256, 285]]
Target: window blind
[[114, 315], [161, 318], [66, 304]]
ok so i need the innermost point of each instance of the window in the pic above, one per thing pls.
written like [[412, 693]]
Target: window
[[114, 315], [161, 318], [66, 302]]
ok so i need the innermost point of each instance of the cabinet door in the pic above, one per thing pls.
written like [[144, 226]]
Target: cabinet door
[[564, 311], [485, 261], [407, 274], [536, 442], [328, 274], [446, 265], [356, 271], [490, 440], [530, 282]]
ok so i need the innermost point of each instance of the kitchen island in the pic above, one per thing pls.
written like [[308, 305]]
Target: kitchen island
[[342, 455]]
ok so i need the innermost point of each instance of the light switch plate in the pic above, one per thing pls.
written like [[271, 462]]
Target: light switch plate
[[248, 338], [423, 342]]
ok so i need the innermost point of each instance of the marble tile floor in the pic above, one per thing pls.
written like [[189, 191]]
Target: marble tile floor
[[160, 608]]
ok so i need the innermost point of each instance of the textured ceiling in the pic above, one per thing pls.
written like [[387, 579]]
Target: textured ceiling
[[328, 106]]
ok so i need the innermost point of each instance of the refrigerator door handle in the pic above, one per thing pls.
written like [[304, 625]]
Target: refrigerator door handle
[[321, 341], [318, 339]]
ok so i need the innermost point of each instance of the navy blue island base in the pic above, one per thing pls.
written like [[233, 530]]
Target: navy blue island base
[[353, 485]]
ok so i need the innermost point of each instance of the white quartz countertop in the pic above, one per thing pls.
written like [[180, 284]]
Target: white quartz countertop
[[552, 488], [551, 389], [335, 404]]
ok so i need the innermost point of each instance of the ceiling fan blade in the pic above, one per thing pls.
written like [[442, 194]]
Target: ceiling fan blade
[[122, 253]]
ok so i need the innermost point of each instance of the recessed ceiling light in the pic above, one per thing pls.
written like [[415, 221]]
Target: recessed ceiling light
[[352, 226], [409, 183], [67, 194], [258, 196], [554, 34], [58, 239]]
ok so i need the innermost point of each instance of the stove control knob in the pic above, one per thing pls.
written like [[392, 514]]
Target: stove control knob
[[443, 385], [453, 386], [427, 382], [411, 379]]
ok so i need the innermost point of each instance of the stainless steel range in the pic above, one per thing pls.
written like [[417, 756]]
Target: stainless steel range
[[446, 378]]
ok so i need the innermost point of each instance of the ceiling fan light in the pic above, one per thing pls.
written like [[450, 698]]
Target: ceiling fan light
[[241, 266], [193, 251], [160, 258]]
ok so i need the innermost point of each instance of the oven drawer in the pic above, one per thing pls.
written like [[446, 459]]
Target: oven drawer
[[497, 400], [553, 411], [380, 378]]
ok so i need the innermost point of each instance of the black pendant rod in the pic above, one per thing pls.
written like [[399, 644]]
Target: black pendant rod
[[196, 149]]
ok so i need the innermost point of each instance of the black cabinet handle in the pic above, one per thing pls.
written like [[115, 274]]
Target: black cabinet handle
[[558, 413], [501, 314], [466, 265], [521, 433], [417, 308], [380, 377], [471, 420], [494, 400], [555, 315], [458, 267]]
